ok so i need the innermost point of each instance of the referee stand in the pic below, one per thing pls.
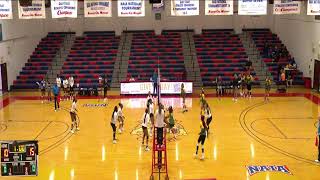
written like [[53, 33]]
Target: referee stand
[[159, 156]]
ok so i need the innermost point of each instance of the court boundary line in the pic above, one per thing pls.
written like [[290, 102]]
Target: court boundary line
[[242, 121], [259, 132], [43, 129], [277, 128]]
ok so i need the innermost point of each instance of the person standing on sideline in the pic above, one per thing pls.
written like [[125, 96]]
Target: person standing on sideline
[[159, 123], [42, 87], [155, 82], [55, 91], [105, 88], [235, 87], [73, 115], [202, 138], [183, 95], [144, 124], [318, 134], [113, 122], [267, 89]]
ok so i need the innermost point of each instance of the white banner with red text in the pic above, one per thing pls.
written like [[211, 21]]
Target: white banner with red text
[[5, 9], [219, 7], [64, 8], [313, 7], [131, 8], [95, 8], [36, 11], [252, 7], [286, 7], [146, 87], [184, 7]]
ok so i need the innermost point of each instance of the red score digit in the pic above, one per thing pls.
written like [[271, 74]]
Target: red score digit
[[31, 151]]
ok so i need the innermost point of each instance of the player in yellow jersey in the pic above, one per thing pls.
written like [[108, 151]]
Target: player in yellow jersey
[[202, 98]]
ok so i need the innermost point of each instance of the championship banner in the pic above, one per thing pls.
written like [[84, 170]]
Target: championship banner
[[219, 7], [286, 7], [5, 9], [64, 8], [252, 7], [146, 87], [313, 7], [36, 11], [184, 7], [93, 8], [131, 8], [158, 7]]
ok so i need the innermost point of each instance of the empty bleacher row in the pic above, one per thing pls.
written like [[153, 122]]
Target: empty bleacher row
[[150, 51], [91, 56], [261, 37], [220, 53], [39, 62]]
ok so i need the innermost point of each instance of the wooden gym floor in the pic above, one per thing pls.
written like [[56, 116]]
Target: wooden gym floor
[[248, 132]]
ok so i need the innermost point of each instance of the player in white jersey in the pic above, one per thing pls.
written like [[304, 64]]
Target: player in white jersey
[[65, 84], [150, 107], [58, 81], [71, 85], [114, 118], [144, 124], [121, 118]]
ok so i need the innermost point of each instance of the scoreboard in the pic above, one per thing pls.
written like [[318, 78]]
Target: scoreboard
[[19, 158]]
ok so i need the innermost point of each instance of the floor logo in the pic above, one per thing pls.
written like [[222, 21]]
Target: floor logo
[[273, 168], [95, 105], [180, 131]]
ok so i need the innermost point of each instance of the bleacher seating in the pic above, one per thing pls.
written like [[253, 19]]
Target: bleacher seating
[[220, 53], [38, 64], [91, 56], [148, 51], [263, 36]]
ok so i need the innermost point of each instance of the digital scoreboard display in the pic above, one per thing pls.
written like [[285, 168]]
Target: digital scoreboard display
[[19, 158]]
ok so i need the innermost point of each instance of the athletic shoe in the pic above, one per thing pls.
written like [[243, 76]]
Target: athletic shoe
[[120, 131], [233, 99], [72, 131], [202, 157], [41, 102], [195, 155], [147, 148], [78, 129], [317, 161], [114, 142], [55, 110]]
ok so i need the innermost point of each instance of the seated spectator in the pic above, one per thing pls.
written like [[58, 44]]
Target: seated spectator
[[283, 77], [289, 81], [292, 63], [132, 79]]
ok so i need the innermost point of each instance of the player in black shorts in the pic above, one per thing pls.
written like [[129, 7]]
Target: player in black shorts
[[202, 137]]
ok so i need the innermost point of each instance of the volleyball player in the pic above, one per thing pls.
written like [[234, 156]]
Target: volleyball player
[[183, 95], [202, 98], [105, 88], [243, 85], [171, 122], [150, 107], [249, 85], [114, 118], [144, 124], [65, 84], [121, 118], [202, 137], [208, 115], [73, 115], [58, 81], [71, 84], [48, 91]]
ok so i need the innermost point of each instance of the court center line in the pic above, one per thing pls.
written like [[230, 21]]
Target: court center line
[[278, 129], [43, 129]]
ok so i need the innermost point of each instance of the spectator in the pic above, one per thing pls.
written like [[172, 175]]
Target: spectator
[[248, 64]]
